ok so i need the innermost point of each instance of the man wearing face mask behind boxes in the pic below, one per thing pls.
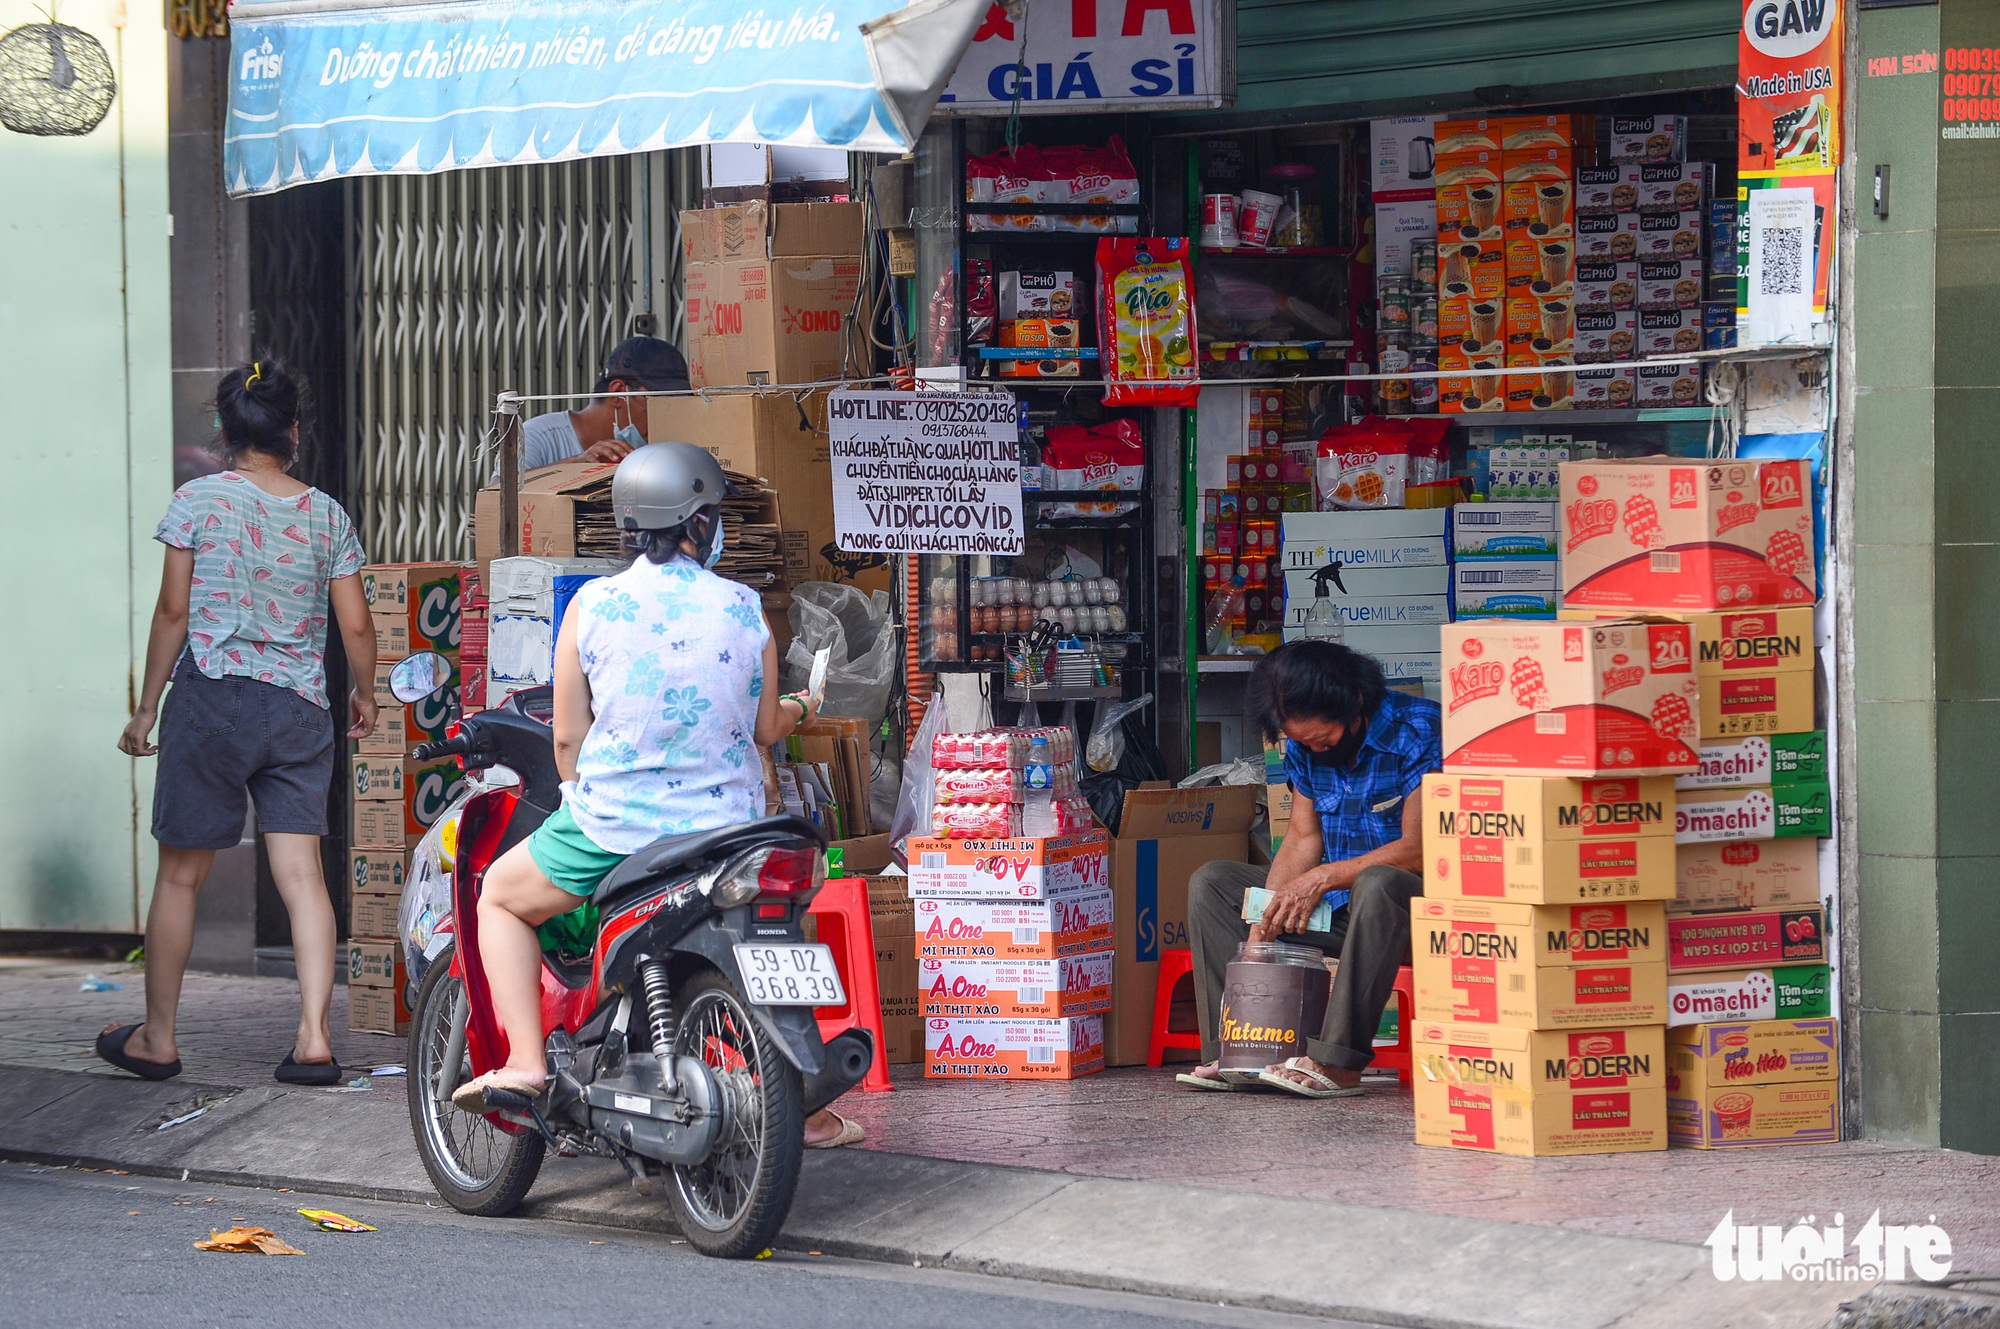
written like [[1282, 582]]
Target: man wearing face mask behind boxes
[[612, 425]]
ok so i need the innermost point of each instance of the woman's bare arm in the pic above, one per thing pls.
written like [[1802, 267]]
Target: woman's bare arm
[[573, 712]]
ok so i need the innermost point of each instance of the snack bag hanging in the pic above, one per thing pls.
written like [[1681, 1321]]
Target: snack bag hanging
[[1145, 293]]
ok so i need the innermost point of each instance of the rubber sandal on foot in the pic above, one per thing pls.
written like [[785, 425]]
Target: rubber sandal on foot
[[1319, 1087], [111, 1047], [850, 1133], [471, 1096], [293, 1071]]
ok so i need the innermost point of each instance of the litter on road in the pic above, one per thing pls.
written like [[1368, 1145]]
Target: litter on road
[[247, 1240], [328, 1221]]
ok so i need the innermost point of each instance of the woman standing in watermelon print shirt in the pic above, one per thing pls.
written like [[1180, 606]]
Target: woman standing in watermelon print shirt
[[253, 559]]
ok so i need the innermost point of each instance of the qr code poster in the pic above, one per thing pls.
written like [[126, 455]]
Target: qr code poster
[[1785, 243]]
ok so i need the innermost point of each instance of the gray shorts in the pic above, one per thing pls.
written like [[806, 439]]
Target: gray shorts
[[224, 738]]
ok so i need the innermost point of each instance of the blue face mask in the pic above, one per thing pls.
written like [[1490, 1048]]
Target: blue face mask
[[630, 436], [715, 550]]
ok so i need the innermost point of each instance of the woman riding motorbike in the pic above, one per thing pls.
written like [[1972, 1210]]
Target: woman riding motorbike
[[664, 695]]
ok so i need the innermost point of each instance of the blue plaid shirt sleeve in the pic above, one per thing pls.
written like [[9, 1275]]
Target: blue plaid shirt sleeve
[[1361, 808]]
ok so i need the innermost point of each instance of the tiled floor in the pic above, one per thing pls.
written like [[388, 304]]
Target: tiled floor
[[1135, 1123]]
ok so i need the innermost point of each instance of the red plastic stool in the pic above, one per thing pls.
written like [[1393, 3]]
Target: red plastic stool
[[1397, 1058], [1175, 964], [840, 911]]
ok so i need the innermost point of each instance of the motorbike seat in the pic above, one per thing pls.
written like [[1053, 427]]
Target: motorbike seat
[[671, 854]]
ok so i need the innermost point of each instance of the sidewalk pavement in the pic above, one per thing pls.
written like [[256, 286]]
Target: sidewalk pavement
[[1119, 1180]]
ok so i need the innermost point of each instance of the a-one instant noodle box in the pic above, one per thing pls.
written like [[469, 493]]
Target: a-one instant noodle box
[[1754, 1083], [1456, 1114], [1616, 697], [1537, 840], [1030, 868], [1686, 535], [1469, 970], [1014, 930], [1544, 934], [1017, 989], [1013, 1049]]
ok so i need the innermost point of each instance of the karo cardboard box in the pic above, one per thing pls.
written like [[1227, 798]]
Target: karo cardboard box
[[1010, 930], [1569, 699], [1794, 1112], [1551, 934], [1452, 1115], [1032, 868], [1463, 972], [1746, 874], [1719, 816], [1163, 836], [782, 441], [1539, 1061], [1746, 939], [1798, 758], [1016, 989], [1530, 840], [1785, 992], [1013, 1049], [1683, 536]]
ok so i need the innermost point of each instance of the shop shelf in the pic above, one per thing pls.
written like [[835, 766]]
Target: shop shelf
[[1299, 251], [1038, 352], [1053, 209], [1632, 415]]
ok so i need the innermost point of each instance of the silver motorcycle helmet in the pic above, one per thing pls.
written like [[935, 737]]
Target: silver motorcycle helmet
[[667, 485]]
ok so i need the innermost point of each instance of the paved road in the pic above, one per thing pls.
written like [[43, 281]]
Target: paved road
[[99, 1249]]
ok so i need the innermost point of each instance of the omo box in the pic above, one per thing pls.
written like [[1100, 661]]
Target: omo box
[[1569, 699]]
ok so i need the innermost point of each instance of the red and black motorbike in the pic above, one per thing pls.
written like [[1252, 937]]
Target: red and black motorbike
[[681, 1042]]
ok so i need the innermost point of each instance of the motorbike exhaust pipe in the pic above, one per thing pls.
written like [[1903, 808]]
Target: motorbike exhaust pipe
[[848, 1058]]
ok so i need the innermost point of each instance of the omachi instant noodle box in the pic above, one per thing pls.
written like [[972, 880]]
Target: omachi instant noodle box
[[1687, 536], [1779, 993], [1569, 699]]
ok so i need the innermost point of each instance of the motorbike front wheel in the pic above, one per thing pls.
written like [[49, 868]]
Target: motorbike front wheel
[[732, 1204], [476, 1166]]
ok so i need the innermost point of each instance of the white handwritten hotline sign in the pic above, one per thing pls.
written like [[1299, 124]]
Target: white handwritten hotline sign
[[925, 472]]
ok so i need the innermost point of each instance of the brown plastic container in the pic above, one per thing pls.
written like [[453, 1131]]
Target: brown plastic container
[[1273, 999]]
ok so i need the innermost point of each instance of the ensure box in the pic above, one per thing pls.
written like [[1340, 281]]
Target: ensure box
[[1603, 286], [1648, 138], [1506, 589], [1787, 992], [1505, 530], [1760, 759], [1668, 283], [1669, 235], [1016, 989], [1025, 930], [1668, 332], [1674, 186]]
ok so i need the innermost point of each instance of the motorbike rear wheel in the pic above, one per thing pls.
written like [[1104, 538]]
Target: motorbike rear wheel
[[476, 1166], [732, 1204]]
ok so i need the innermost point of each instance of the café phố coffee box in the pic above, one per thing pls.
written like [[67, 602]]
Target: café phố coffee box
[[1746, 939], [1745, 874], [1014, 930], [1468, 970], [1016, 989], [1068, 1049], [1030, 868], [1537, 840], [1690, 536], [1569, 699], [1455, 1114], [1543, 934]]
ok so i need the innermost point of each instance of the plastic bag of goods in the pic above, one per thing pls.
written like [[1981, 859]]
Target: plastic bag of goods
[[1092, 175], [861, 673], [1009, 177], [1110, 456], [1145, 322], [1369, 464]]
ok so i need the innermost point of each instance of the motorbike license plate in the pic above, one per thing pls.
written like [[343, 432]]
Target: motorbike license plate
[[790, 975]]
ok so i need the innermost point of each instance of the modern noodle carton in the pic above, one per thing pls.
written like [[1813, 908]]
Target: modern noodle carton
[[1746, 939], [1010, 930], [1016, 989], [1774, 759], [1532, 840], [1687, 536], [1030, 868], [1539, 1061], [1736, 705], [1013, 1049], [1762, 1082], [1782, 993], [1746, 874], [1456, 1115], [1718, 816], [1469, 970], [1559, 934], [1566, 699]]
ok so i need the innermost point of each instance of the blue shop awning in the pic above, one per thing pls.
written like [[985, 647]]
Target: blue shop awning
[[326, 88]]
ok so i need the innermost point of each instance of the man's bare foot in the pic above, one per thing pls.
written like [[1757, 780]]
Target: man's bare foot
[[140, 1046], [1208, 1075]]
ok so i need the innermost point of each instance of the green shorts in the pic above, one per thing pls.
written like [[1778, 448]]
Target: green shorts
[[573, 861]]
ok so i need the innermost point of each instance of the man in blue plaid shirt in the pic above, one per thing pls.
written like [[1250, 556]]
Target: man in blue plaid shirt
[[1356, 755]]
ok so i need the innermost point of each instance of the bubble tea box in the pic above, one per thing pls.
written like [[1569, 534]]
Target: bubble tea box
[[1615, 698], [1683, 535]]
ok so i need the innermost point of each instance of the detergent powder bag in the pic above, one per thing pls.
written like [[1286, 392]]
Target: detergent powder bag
[[1146, 322]]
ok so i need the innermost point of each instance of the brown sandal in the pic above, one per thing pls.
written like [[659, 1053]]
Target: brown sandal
[[471, 1096]]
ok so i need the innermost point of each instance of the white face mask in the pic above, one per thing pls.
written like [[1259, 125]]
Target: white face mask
[[715, 550], [629, 435]]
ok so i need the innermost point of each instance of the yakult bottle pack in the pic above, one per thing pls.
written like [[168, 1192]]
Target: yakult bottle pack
[[1687, 535], [1614, 697]]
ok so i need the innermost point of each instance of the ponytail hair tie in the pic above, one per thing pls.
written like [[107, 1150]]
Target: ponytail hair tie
[[256, 372]]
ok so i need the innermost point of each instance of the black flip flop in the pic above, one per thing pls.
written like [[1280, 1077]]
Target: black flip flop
[[293, 1071], [111, 1047]]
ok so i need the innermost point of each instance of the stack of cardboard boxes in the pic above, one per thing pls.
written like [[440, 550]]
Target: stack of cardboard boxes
[[1540, 943], [529, 595], [1727, 546], [474, 623], [1394, 590], [394, 799], [1504, 561]]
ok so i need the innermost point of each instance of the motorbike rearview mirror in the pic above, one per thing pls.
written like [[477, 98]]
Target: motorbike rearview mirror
[[417, 676]]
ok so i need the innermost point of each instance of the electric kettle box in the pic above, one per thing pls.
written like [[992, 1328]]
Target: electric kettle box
[[1404, 156]]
